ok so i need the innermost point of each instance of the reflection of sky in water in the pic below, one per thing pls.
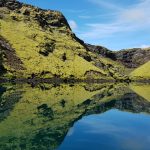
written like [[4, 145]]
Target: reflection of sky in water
[[113, 130], [70, 132]]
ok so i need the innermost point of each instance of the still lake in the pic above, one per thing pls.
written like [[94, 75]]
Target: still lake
[[75, 116]]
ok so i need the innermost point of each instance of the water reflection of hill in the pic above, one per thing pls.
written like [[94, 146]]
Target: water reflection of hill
[[40, 117], [142, 90]]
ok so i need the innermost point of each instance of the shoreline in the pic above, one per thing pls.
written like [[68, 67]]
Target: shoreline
[[60, 80]]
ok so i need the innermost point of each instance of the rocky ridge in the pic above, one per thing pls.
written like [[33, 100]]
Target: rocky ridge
[[131, 58]]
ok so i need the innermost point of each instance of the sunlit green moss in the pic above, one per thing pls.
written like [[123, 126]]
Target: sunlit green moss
[[51, 51], [141, 73], [26, 38]]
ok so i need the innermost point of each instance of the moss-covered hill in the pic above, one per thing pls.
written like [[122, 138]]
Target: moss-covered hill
[[142, 72], [132, 59], [40, 43]]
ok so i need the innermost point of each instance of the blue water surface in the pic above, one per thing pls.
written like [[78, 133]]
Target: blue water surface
[[112, 130]]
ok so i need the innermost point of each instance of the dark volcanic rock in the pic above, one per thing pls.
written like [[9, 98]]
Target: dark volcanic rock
[[11, 4], [133, 58], [45, 18], [2, 69], [101, 51], [8, 55]]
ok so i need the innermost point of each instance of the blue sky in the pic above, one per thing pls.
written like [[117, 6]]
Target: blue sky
[[115, 24]]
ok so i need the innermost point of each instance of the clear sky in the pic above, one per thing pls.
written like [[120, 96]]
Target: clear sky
[[115, 24]]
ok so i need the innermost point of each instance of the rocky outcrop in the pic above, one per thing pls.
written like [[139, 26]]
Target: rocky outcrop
[[45, 18], [11, 4]]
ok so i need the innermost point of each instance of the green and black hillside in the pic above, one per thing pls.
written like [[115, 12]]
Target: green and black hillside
[[37, 43]]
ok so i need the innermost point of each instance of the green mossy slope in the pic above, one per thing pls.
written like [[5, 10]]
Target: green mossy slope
[[141, 73], [46, 47]]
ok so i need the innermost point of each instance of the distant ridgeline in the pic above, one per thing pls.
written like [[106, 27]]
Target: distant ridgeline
[[37, 43]]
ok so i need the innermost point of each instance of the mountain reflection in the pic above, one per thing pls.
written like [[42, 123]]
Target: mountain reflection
[[39, 117]]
